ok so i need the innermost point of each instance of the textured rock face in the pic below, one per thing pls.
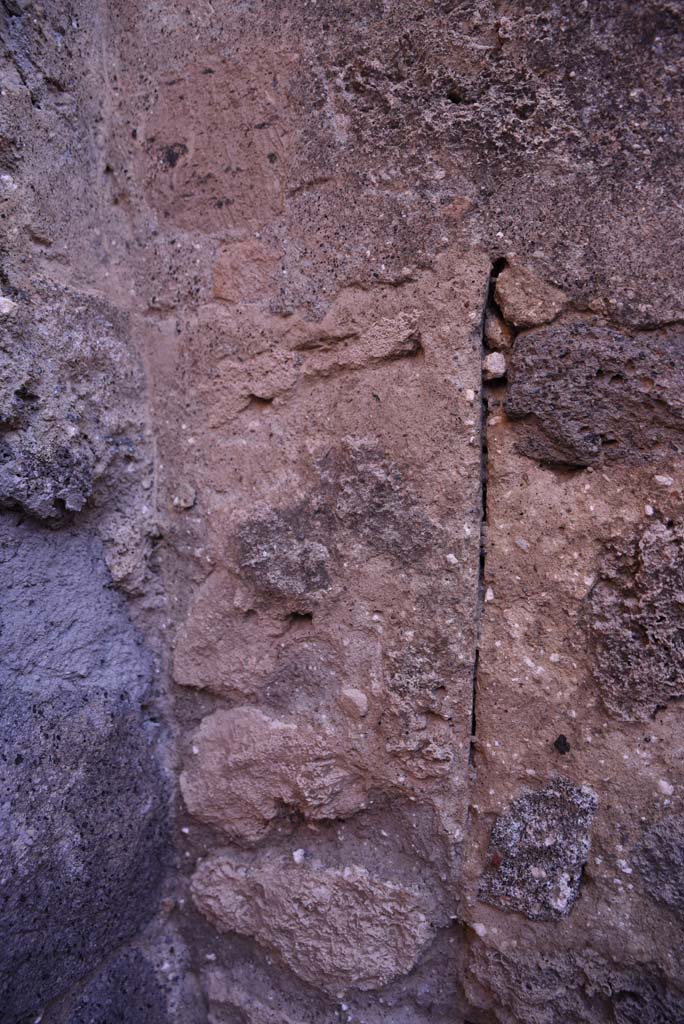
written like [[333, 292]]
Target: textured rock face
[[320, 197], [550, 988], [63, 352], [83, 810], [634, 616], [251, 767], [659, 859], [344, 339], [590, 395], [127, 991], [335, 929], [83, 797], [538, 850]]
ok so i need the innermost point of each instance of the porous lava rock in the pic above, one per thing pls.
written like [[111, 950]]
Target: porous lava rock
[[126, 991], [551, 987], [69, 411], [537, 851], [281, 555], [587, 394], [659, 858], [633, 617], [84, 797], [250, 253]]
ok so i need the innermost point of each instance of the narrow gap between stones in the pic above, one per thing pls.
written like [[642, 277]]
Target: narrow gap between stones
[[497, 267]]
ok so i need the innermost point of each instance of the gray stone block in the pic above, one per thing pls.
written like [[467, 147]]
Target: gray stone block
[[82, 806]]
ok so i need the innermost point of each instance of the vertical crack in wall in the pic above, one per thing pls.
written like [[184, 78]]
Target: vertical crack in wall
[[497, 267]]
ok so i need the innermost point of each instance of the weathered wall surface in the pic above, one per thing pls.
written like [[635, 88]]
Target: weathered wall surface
[[84, 837], [414, 636]]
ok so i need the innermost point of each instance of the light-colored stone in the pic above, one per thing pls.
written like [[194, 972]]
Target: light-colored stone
[[249, 765], [7, 306], [498, 334], [355, 702], [524, 299], [494, 366], [334, 928]]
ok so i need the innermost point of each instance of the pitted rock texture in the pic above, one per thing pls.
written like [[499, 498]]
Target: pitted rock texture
[[70, 386], [295, 209], [537, 851], [83, 823], [74, 437], [659, 860], [127, 991], [633, 616], [367, 496], [280, 553], [150, 981], [263, 994], [361, 492], [588, 394], [334, 928], [549, 987]]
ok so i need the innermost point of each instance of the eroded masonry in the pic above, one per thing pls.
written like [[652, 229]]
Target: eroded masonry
[[342, 529]]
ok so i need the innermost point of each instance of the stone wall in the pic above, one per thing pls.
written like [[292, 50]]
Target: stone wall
[[341, 476]]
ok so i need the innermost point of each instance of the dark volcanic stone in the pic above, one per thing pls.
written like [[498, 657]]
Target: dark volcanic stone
[[287, 552], [126, 991], [550, 987], [46, 484], [82, 792], [659, 858], [588, 394], [537, 850], [70, 390], [369, 497], [281, 554], [634, 620]]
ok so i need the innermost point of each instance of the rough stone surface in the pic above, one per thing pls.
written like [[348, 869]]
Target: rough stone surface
[[251, 767], [125, 992], [524, 300], [634, 622], [150, 981], [538, 850], [67, 375], [262, 993], [588, 394], [551, 536], [337, 929], [547, 987], [280, 554], [659, 860], [494, 366], [251, 256], [497, 332], [83, 797]]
